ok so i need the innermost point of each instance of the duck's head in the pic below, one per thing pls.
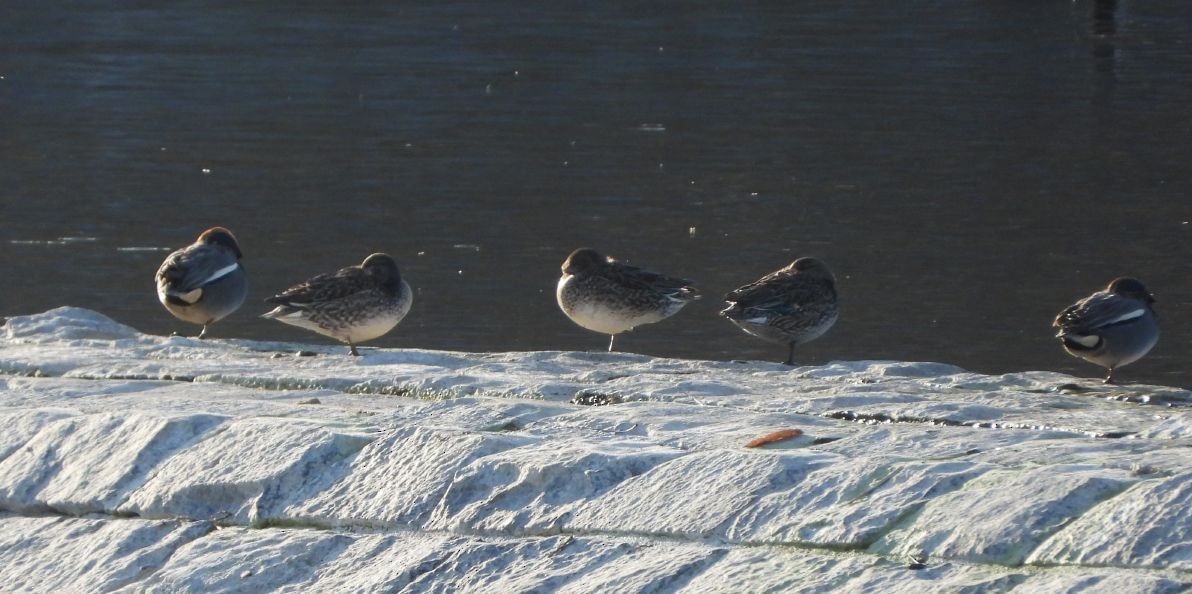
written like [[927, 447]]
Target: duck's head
[[383, 268], [1130, 287], [221, 237], [813, 267], [581, 260]]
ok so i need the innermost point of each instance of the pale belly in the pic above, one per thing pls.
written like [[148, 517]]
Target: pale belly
[[379, 325], [188, 313], [371, 329], [601, 317]]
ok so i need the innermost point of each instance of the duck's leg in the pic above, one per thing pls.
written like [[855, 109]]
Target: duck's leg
[[203, 332], [611, 338], [790, 358], [1109, 377], [352, 349]]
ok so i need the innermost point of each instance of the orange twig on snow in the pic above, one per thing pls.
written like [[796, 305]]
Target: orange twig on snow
[[774, 437]]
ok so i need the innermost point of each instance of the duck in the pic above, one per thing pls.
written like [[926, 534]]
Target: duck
[[792, 306], [203, 282], [1113, 327], [603, 295], [352, 305]]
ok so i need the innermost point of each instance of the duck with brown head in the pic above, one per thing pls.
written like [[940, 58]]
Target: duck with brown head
[[203, 282], [1112, 327]]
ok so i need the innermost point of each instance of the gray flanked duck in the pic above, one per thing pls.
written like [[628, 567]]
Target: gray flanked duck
[[1110, 328], [203, 282], [353, 305], [791, 306], [606, 296]]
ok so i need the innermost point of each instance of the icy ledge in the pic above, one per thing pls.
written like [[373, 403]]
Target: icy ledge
[[135, 463]]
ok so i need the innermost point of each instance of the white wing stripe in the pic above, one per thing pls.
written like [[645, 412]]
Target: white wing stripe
[[1126, 316], [222, 272]]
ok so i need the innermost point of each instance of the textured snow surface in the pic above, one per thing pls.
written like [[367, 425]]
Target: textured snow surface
[[137, 463]]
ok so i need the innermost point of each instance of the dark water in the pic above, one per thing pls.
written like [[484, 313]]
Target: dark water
[[967, 167]]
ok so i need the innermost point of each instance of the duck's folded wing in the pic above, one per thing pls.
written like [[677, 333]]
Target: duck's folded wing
[[1098, 311], [324, 287], [653, 281], [764, 290], [190, 269]]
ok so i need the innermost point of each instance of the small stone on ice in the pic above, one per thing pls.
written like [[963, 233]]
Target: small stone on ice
[[593, 398]]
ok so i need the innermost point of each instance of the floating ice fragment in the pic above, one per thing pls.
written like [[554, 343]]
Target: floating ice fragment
[[142, 248], [652, 128], [466, 246], [206, 171]]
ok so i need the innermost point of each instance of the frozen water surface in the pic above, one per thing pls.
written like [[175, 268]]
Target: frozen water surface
[[139, 463]]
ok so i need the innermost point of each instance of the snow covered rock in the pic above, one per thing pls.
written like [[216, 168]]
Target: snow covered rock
[[139, 463]]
